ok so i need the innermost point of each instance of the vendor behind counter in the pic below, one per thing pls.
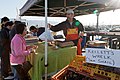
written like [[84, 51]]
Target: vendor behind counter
[[71, 29], [37, 31]]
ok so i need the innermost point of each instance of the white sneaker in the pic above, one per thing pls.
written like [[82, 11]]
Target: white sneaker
[[9, 77]]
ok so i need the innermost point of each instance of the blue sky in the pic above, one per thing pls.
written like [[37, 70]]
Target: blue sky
[[9, 7]]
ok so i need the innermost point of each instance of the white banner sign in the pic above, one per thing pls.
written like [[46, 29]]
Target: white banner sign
[[106, 57]]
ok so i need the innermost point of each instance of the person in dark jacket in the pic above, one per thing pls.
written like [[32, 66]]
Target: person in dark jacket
[[13, 31], [3, 21], [72, 28], [36, 31], [5, 54], [70, 23]]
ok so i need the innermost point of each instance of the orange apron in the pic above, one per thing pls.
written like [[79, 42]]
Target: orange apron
[[72, 34]]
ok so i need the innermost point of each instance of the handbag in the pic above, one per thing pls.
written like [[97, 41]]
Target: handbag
[[27, 66]]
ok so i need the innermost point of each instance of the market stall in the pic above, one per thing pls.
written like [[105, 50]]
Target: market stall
[[57, 59], [81, 7]]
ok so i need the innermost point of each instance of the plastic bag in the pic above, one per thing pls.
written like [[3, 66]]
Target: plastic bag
[[48, 36]]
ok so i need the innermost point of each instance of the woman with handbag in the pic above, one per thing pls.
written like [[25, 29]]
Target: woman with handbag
[[19, 51]]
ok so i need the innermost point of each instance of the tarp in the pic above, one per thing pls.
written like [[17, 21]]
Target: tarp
[[58, 8]]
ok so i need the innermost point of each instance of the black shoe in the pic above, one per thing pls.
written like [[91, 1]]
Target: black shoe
[[11, 74]]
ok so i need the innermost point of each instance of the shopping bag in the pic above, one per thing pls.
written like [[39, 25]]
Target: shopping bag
[[27, 66], [47, 35]]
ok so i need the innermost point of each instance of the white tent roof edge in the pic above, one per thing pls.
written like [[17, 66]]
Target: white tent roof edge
[[27, 5]]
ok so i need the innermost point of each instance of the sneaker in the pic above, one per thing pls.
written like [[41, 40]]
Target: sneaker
[[9, 78]]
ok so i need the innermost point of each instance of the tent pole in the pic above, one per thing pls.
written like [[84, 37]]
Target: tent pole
[[46, 45], [97, 29]]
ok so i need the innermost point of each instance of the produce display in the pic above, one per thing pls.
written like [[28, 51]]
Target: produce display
[[78, 69]]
